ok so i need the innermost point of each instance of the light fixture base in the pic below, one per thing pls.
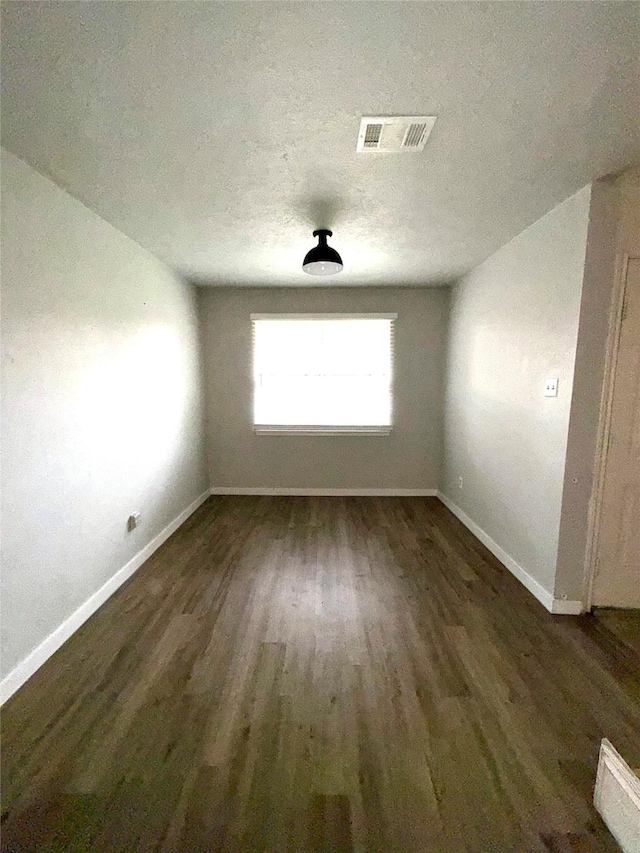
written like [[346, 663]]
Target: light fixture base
[[322, 259]]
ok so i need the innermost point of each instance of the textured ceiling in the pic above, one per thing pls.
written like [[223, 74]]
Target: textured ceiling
[[220, 134]]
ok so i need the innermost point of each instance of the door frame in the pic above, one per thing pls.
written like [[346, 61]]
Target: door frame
[[604, 425]]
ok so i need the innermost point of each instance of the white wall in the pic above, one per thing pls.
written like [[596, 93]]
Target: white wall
[[514, 322], [101, 405], [410, 458]]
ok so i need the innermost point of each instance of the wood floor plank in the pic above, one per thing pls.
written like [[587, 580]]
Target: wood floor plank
[[321, 674]]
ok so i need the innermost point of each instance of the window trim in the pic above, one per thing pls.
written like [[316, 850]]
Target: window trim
[[328, 430], [264, 429], [311, 316]]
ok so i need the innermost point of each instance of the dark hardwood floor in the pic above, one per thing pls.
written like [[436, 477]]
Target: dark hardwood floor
[[320, 674], [625, 624]]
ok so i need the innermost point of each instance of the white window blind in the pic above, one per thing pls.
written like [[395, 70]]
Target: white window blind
[[323, 373]]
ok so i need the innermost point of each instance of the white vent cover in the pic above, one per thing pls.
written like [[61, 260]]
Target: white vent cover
[[394, 133]]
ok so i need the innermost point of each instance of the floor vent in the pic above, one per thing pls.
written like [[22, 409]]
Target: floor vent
[[394, 134], [617, 798]]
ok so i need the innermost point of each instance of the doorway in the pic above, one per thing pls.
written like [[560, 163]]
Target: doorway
[[615, 561]]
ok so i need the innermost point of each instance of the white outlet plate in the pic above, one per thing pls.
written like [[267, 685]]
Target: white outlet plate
[[551, 387]]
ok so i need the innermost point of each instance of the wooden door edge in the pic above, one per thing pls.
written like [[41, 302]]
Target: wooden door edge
[[604, 425]]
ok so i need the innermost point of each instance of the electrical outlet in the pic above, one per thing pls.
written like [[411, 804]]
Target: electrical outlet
[[133, 521], [551, 387], [459, 482]]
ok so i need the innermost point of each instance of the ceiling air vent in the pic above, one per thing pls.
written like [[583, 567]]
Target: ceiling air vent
[[372, 134], [394, 133]]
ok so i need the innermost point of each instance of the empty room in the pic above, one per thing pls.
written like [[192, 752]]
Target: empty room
[[320, 426]]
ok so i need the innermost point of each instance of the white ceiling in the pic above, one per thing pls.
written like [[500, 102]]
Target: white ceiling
[[220, 134]]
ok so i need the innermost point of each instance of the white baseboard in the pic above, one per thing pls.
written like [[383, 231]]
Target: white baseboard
[[26, 668], [371, 493], [553, 605], [567, 607]]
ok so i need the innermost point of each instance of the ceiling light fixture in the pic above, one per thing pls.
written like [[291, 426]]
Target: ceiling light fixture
[[322, 259]]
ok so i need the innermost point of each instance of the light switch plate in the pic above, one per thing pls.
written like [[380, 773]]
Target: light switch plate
[[551, 387]]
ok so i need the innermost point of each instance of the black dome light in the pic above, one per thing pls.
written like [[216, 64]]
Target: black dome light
[[322, 259]]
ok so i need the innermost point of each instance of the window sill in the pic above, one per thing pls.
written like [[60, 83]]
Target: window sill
[[260, 429]]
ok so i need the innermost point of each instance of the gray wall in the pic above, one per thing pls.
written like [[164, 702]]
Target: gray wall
[[410, 458], [514, 322], [101, 405]]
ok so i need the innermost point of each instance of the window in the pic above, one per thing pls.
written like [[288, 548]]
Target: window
[[322, 373]]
